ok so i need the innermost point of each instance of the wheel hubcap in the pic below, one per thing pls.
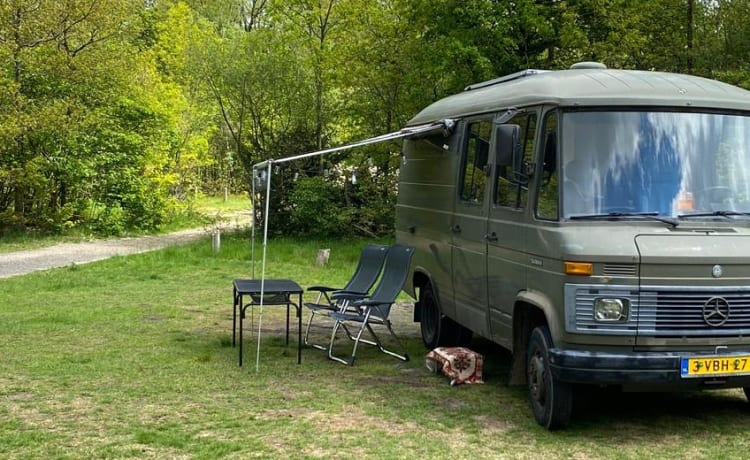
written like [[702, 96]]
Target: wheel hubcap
[[536, 377]]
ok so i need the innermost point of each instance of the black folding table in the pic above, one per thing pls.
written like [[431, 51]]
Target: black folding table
[[275, 292]]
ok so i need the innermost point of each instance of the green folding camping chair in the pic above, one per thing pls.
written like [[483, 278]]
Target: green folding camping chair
[[364, 277], [374, 310]]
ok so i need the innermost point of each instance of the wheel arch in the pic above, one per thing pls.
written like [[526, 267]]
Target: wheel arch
[[420, 279], [531, 309]]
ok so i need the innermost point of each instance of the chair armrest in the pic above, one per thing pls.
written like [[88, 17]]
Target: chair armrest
[[348, 295], [368, 303], [322, 289], [373, 306]]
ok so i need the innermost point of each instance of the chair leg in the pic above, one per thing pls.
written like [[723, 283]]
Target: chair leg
[[330, 347], [350, 361], [320, 296], [365, 321], [307, 334], [356, 342], [358, 339], [376, 342], [307, 328], [348, 332], [343, 307], [379, 344]]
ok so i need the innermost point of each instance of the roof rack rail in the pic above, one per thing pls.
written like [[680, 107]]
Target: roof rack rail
[[506, 78]]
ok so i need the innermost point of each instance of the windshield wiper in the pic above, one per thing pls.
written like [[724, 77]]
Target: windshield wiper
[[646, 215], [723, 213]]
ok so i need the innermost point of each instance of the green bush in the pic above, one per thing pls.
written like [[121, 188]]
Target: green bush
[[374, 202], [317, 208], [320, 207], [111, 221]]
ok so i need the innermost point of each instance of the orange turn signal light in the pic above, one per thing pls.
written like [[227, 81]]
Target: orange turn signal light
[[579, 268]]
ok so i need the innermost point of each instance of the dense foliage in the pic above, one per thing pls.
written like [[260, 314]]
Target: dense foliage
[[115, 113]]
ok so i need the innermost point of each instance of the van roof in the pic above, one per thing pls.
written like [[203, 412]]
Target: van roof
[[588, 87]]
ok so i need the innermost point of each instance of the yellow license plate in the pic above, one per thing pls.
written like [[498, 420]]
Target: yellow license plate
[[710, 366]]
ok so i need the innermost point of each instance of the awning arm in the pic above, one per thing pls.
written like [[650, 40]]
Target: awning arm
[[446, 126]]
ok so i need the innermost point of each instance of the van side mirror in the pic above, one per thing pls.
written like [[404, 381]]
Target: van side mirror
[[508, 145]]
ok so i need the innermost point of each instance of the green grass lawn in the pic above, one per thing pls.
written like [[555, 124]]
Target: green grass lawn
[[132, 357]]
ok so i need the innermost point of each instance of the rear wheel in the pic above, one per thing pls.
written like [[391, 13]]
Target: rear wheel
[[551, 400], [439, 330]]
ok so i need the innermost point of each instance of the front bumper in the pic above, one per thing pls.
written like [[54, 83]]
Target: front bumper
[[652, 368]]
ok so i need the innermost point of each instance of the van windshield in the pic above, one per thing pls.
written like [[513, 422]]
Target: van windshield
[[673, 164]]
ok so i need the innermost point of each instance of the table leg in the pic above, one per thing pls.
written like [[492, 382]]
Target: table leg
[[299, 330], [234, 316], [287, 322], [242, 314]]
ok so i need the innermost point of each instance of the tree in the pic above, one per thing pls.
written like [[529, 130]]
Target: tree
[[114, 113], [94, 134], [55, 53]]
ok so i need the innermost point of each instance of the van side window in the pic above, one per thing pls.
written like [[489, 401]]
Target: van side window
[[547, 204], [511, 188], [475, 161]]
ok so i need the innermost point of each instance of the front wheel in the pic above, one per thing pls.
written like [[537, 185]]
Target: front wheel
[[551, 399]]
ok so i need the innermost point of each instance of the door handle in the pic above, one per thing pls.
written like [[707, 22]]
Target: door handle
[[492, 237], [456, 228]]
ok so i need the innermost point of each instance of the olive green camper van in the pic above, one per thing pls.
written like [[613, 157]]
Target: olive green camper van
[[595, 222]]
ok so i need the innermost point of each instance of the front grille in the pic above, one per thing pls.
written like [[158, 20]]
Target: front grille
[[620, 270], [679, 312], [658, 311]]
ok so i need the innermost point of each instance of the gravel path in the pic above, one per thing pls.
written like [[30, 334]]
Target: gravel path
[[61, 255]]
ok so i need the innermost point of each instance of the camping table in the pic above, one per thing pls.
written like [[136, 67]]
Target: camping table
[[275, 292]]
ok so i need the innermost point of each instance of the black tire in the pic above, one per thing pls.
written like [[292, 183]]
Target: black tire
[[747, 393], [439, 330], [551, 400], [430, 324]]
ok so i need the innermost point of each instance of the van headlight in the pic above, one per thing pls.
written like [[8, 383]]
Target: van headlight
[[608, 309]]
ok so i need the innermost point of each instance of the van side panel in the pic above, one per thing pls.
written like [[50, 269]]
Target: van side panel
[[424, 211], [545, 241], [508, 263], [470, 266]]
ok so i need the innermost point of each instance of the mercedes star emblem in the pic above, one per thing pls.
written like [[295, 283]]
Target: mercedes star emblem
[[717, 271], [716, 311]]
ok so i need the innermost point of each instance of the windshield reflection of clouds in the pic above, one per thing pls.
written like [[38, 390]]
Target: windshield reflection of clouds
[[667, 162]]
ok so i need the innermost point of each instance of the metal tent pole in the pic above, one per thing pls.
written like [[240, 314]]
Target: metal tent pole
[[263, 264], [252, 223]]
